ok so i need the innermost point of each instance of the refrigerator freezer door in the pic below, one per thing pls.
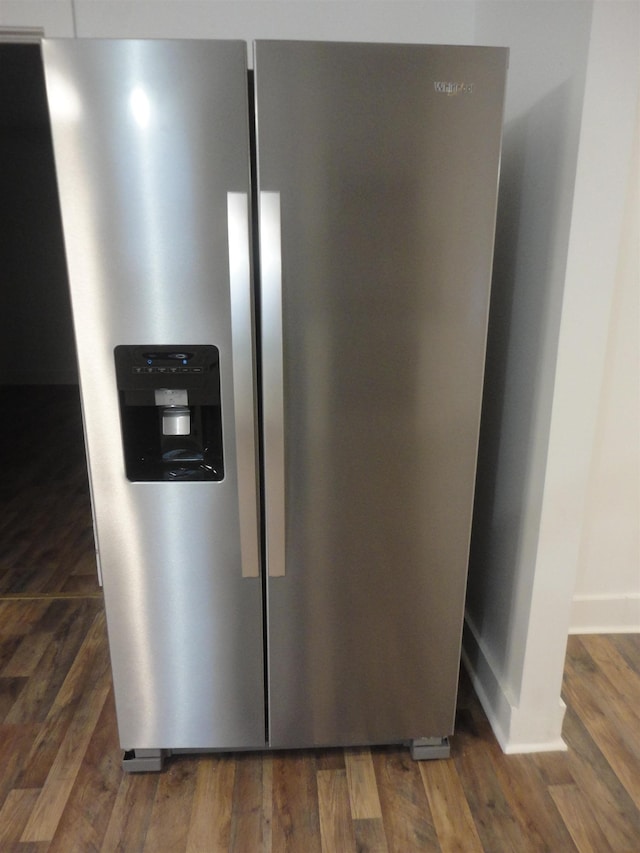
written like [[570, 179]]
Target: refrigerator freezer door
[[385, 159], [151, 146]]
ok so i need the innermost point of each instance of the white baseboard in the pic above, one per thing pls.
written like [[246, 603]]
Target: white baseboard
[[486, 683], [516, 729], [605, 614]]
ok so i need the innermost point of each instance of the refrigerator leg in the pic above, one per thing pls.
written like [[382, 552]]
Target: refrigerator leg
[[143, 760], [424, 748]]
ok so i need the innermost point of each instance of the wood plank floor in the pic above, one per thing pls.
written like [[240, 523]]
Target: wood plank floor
[[62, 787], [61, 783]]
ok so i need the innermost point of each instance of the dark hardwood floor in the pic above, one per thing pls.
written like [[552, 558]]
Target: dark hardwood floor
[[45, 517], [62, 787], [61, 783]]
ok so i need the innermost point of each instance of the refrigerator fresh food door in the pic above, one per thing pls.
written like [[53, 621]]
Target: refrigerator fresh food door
[[152, 155], [377, 169]]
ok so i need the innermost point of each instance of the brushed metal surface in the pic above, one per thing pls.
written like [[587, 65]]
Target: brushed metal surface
[[242, 325], [386, 161], [273, 381], [149, 138]]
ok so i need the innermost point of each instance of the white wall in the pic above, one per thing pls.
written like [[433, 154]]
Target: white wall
[[554, 260], [301, 19], [607, 593], [549, 48], [55, 17], [360, 20], [595, 280]]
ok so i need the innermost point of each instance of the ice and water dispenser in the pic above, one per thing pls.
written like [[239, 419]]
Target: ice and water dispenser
[[170, 412]]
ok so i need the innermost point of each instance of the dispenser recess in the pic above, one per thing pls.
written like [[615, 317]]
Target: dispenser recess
[[170, 412]]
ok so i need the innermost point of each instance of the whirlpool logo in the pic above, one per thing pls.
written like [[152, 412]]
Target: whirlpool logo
[[450, 88]]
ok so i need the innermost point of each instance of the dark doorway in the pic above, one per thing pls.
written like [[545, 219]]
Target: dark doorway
[[46, 539]]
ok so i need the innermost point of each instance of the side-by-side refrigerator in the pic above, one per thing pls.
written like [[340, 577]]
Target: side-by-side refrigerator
[[280, 290]]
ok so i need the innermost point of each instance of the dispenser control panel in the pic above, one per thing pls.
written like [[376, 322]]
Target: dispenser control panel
[[167, 361], [142, 368], [170, 412]]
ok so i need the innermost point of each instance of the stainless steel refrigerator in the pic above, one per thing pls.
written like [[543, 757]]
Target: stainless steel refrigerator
[[280, 295]]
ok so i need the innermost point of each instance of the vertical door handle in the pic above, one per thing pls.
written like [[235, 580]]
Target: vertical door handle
[[244, 398], [272, 379]]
